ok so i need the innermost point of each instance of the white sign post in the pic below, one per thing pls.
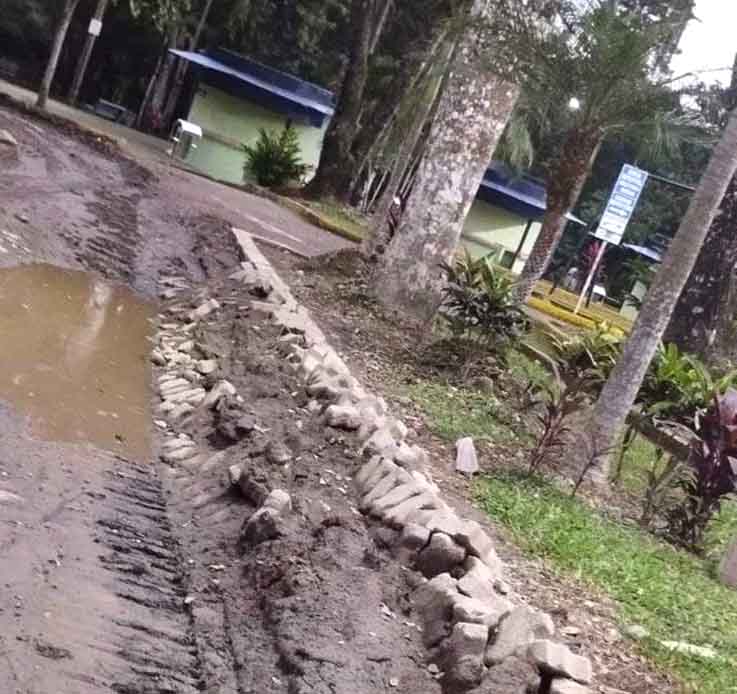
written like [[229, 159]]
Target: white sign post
[[617, 214]]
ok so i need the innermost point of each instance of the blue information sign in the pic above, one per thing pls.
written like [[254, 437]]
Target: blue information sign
[[622, 203]]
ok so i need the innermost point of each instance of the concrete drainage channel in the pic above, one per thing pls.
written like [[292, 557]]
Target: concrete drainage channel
[[293, 585]]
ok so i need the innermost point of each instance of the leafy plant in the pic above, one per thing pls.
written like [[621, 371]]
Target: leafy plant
[[679, 384], [713, 462], [594, 352], [559, 403], [478, 305], [275, 159], [663, 483]]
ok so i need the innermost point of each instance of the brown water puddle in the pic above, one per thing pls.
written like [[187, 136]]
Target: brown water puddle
[[74, 357]]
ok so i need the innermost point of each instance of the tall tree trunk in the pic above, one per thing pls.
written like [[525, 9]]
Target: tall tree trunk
[[565, 181], [703, 320], [620, 390], [56, 46], [473, 110], [84, 59], [181, 70], [333, 175]]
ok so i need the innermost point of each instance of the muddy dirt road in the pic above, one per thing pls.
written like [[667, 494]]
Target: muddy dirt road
[[119, 572]]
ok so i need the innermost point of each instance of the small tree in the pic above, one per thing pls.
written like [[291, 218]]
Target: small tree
[[585, 75], [275, 158]]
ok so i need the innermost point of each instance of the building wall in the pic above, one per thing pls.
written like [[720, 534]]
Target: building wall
[[228, 121], [488, 227]]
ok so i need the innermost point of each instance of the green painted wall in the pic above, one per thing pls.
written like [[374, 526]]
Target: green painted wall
[[488, 226], [227, 121]]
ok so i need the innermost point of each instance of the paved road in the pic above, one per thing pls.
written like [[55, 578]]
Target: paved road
[[262, 218]]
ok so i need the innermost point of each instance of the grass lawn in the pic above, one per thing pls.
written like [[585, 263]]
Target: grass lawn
[[669, 592], [455, 412]]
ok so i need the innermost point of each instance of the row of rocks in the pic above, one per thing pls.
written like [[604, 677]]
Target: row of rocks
[[484, 642]]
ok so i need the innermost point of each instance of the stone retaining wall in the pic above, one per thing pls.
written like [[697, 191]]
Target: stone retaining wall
[[483, 641]]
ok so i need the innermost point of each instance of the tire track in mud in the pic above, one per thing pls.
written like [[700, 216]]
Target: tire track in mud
[[155, 639]]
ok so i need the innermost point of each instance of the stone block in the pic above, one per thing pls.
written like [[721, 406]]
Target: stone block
[[414, 537], [396, 496], [489, 611], [563, 686], [512, 676], [397, 515], [220, 390], [478, 580], [434, 603], [279, 501], [382, 488], [366, 471], [464, 656], [441, 555], [558, 660], [343, 417], [517, 631]]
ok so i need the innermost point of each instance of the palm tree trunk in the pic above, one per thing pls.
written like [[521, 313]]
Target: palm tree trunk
[[473, 110], [333, 175], [56, 46], [565, 181], [620, 390], [84, 59]]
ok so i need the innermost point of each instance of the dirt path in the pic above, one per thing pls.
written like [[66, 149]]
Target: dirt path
[[124, 574]]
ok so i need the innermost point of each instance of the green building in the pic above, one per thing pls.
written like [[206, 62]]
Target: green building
[[233, 97]]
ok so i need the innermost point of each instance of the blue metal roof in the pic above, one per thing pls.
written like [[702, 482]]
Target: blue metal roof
[[516, 193], [282, 92]]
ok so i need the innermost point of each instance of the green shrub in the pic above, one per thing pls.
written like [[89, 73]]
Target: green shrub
[[275, 159], [478, 306]]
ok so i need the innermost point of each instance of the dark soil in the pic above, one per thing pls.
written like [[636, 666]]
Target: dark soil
[[323, 608]]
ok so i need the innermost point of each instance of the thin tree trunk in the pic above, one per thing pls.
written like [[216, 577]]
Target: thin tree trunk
[[703, 320], [619, 392], [379, 121], [161, 84], [141, 116], [376, 242], [333, 175], [84, 59], [378, 30], [182, 65], [56, 46], [473, 111], [565, 182]]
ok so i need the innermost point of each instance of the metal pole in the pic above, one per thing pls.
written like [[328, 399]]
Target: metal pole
[[525, 233], [592, 272], [84, 59]]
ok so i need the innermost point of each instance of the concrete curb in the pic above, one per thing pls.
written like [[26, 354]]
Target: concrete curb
[[478, 633]]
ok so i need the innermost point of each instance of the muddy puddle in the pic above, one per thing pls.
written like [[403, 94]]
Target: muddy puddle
[[74, 357]]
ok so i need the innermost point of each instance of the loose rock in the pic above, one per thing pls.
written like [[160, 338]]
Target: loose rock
[[517, 631], [558, 660], [434, 602]]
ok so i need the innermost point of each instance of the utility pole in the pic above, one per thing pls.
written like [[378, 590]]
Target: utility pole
[[92, 33]]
